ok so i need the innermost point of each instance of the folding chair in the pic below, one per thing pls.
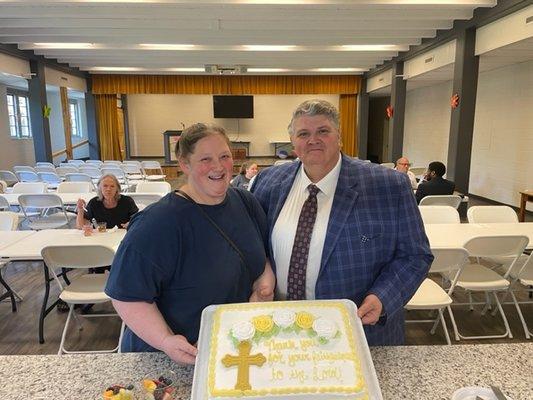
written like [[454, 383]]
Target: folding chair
[[143, 200], [152, 165], [29, 187], [18, 168], [45, 168], [74, 187], [121, 176], [9, 177], [491, 214], [43, 203], [85, 289], [430, 296], [44, 164], [478, 278], [133, 171], [80, 177], [8, 222], [4, 204], [439, 215], [27, 176], [50, 178], [95, 163], [451, 200], [390, 165], [63, 170], [153, 187], [92, 170], [77, 163]]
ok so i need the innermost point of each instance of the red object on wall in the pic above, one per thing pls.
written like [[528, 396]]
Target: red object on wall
[[454, 101], [389, 111]]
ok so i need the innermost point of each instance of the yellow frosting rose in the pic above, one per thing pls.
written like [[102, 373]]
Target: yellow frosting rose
[[263, 323], [304, 320]]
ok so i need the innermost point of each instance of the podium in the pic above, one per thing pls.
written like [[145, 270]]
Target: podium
[[170, 139]]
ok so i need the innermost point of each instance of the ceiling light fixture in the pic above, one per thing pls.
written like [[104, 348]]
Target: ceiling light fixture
[[268, 70], [268, 47], [64, 45], [116, 69], [373, 47], [337, 70], [184, 69]]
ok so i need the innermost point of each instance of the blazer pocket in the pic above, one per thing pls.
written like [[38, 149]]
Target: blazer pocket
[[370, 235]]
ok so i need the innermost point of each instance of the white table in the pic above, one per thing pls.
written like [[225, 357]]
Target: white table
[[30, 247], [456, 235], [8, 238]]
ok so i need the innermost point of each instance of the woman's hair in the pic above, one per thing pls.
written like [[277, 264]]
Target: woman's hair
[[99, 189], [315, 107], [244, 167], [190, 136]]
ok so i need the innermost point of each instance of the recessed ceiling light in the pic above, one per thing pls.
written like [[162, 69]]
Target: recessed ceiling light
[[372, 47], [116, 69], [156, 46], [268, 70], [184, 69], [267, 47], [65, 45], [337, 70]]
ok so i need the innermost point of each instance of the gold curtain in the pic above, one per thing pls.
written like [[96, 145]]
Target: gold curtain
[[108, 132], [348, 114], [208, 84]]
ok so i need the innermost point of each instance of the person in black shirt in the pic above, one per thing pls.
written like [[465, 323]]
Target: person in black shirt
[[433, 183], [108, 206]]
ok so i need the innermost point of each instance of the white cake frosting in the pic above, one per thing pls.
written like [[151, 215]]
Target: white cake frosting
[[289, 350]]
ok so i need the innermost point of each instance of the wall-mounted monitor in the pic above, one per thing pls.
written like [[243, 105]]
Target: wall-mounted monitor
[[233, 106]]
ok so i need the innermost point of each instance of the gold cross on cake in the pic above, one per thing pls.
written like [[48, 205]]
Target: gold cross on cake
[[243, 362]]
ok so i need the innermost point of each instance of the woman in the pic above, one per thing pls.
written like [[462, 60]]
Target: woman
[[108, 206], [203, 245], [248, 171]]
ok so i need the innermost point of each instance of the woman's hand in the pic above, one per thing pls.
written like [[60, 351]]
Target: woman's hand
[[80, 205], [179, 350], [263, 288]]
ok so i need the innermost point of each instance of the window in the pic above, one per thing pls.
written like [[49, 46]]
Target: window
[[19, 115], [75, 128]]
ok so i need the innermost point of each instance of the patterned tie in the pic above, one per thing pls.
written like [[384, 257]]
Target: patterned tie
[[300, 248]]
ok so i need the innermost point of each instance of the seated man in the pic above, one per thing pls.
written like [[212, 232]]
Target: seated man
[[402, 165], [434, 183]]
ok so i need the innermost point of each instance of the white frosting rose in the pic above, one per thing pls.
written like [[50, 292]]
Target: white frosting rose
[[284, 318], [243, 330], [325, 328]]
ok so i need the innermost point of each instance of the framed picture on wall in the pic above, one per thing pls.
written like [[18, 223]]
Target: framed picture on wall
[[170, 140]]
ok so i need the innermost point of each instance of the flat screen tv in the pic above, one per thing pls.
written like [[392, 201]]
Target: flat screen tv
[[233, 106]]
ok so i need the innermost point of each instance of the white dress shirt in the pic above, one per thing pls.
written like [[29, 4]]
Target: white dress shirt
[[287, 222]]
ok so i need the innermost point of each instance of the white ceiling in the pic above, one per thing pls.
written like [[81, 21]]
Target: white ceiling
[[515, 53], [114, 31]]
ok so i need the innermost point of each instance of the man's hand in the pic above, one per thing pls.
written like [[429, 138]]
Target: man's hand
[[370, 310], [263, 288], [179, 350]]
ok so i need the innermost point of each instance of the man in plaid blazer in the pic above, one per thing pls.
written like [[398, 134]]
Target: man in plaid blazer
[[368, 242]]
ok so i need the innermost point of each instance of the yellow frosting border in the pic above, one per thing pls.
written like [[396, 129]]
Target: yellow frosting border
[[360, 386]]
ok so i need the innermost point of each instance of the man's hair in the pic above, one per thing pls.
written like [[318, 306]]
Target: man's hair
[[190, 136], [437, 167], [315, 107]]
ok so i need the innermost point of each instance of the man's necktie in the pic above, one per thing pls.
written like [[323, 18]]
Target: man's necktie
[[300, 248]]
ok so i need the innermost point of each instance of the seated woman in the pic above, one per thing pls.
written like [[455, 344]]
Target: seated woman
[[108, 206], [247, 172], [204, 244]]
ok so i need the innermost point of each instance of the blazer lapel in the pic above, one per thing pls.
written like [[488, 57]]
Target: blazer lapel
[[346, 195]]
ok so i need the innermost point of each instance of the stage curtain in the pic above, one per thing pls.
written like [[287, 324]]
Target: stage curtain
[[348, 114], [108, 132], [208, 84]]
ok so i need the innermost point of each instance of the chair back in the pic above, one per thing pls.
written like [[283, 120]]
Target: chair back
[[143, 200], [153, 187], [29, 187], [18, 168], [4, 204], [418, 171], [49, 177], [27, 176], [96, 163], [447, 259], [132, 169], [45, 168], [77, 163], [132, 162], [388, 165], [78, 177], [92, 170], [40, 201], [439, 215], [8, 221], [491, 214], [281, 162], [67, 164], [8, 176], [116, 171], [498, 246], [44, 164], [451, 200], [3, 186], [74, 187], [81, 256], [62, 170]]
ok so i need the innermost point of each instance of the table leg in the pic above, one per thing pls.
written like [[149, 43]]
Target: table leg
[[522, 213], [9, 293]]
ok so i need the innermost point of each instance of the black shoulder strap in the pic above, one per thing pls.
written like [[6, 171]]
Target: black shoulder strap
[[215, 225]]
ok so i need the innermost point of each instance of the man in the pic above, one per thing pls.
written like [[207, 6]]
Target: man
[[343, 228], [402, 165], [434, 183]]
